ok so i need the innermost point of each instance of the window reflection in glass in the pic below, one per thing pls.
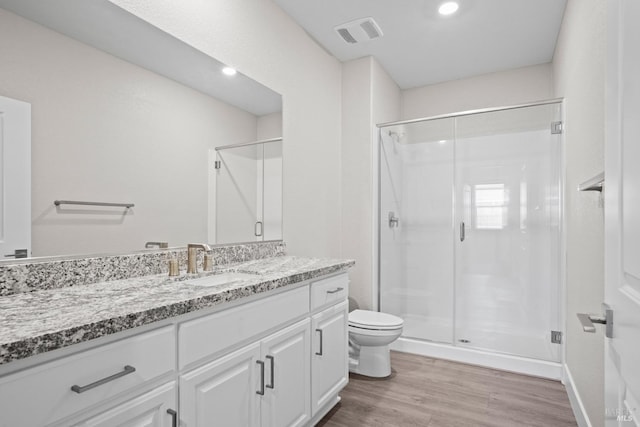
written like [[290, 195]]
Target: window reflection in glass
[[491, 206]]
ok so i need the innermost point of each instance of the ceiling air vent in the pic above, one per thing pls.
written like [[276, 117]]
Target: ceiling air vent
[[360, 30]]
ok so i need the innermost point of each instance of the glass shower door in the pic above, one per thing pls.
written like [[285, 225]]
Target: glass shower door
[[508, 232], [239, 194], [416, 227]]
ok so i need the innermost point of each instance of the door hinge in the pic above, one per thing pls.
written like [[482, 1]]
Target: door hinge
[[556, 337], [556, 128], [216, 164]]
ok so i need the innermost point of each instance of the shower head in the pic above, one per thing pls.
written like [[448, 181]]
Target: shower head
[[396, 136]]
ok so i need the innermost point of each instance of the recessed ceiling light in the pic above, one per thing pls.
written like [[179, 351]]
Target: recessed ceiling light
[[229, 71], [448, 8]]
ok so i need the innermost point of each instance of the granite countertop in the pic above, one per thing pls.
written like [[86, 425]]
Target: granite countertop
[[41, 321]]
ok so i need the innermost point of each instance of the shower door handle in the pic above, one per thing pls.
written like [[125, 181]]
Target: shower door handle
[[462, 231]]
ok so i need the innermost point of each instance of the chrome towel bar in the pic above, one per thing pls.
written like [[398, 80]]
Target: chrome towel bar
[[74, 202]]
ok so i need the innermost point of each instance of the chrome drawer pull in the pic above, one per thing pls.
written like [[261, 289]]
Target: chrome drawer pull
[[272, 359], [319, 353], [261, 391], [81, 389], [335, 290]]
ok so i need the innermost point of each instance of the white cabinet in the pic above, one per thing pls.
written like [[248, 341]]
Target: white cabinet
[[223, 390], [330, 369], [156, 408], [287, 394], [59, 389], [266, 383]]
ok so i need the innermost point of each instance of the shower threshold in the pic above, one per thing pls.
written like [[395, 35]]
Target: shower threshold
[[504, 362]]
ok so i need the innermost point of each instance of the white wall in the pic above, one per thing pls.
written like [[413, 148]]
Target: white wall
[[264, 43], [503, 88], [357, 181], [385, 107], [369, 96], [579, 76], [270, 126], [106, 130]]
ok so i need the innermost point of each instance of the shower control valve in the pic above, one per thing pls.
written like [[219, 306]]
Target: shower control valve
[[393, 220]]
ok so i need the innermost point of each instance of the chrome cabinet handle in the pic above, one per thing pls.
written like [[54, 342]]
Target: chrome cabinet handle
[[335, 290], [81, 389], [174, 417], [462, 236], [272, 359], [319, 353], [261, 391], [255, 229]]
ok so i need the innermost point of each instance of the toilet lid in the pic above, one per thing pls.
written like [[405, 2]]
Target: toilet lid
[[374, 320]]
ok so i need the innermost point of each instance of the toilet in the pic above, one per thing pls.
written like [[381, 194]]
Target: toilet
[[370, 334]]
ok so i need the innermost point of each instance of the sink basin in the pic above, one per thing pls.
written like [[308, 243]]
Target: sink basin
[[220, 279]]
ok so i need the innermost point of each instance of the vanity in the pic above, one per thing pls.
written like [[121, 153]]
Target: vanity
[[267, 348]]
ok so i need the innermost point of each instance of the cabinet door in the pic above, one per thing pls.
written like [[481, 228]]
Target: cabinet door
[[152, 409], [286, 401], [330, 369], [223, 392]]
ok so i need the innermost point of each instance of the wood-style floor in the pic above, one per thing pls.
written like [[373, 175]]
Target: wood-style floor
[[430, 392]]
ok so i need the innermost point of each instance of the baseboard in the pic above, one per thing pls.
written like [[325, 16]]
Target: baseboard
[[574, 398]]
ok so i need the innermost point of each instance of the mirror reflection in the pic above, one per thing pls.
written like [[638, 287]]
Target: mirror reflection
[[124, 113], [248, 192]]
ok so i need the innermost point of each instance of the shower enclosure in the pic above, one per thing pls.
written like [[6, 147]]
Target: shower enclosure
[[248, 192], [469, 236]]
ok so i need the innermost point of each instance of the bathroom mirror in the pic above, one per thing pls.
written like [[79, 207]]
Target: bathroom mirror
[[124, 113]]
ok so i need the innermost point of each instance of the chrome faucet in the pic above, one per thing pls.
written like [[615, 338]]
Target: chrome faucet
[[192, 255]]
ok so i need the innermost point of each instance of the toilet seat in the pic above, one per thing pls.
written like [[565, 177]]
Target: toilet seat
[[374, 321]]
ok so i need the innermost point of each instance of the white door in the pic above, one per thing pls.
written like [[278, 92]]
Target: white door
[[286, 401], [223, 392], [156, 408], [15, 177], [622, 214], [330, 369]]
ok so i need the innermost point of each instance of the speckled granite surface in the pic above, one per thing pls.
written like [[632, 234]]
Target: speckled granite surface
[[25, 276], [36, 322]]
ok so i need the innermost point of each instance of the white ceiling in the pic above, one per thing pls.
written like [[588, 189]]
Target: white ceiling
[[107, 27], [420, 47]]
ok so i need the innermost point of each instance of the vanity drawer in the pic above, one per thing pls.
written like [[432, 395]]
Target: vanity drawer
[[329, 291], [43, 394], [208, 335]]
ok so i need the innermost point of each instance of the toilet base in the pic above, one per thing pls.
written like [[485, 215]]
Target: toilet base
[[372, 361]]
